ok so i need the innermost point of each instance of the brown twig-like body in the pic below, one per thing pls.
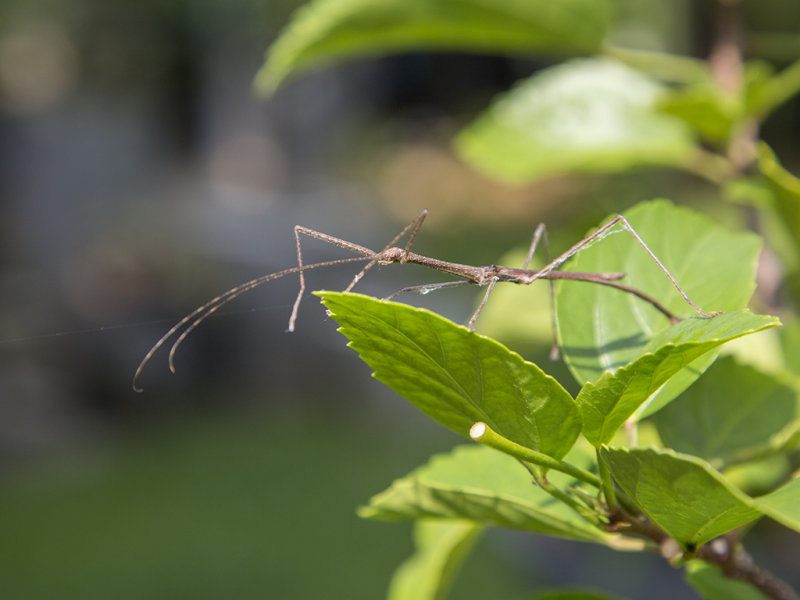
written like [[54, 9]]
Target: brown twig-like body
[[497, 273]]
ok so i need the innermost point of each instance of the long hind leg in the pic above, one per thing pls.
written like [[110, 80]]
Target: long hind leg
[[602, 232]]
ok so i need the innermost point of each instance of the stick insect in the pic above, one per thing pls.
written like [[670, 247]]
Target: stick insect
[[487, 276]]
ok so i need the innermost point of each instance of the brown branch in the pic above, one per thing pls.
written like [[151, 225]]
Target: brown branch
[[725, 58], [735, 563], [724, 552]]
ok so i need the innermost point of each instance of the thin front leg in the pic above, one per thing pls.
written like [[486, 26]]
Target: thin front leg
[[373, 256], [325, 238], [298, 229], [413, 227]]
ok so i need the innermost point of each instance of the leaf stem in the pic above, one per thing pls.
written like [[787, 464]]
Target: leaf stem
[[710, 166], [481, 432], [608, 485], [541, 480]]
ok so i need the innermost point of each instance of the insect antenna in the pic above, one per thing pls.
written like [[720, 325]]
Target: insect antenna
[[201, 313]]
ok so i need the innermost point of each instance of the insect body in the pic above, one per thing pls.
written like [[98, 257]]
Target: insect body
[[483, 276]]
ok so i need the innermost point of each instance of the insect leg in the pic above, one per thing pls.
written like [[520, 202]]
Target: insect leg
[[413, 227], [298, 229]]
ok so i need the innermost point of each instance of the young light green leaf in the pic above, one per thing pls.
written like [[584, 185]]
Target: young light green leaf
[[790, 346], [783, 504], [601, 329], [704, 107], [662, 66], [734, 413], [456, 376], [711, 584], [325, 31], [482, 485], [772, 92], [682, 494], [588, 115], [608, 403], [761, 351], [760, 476], [441, 547], [713, 112], [785, 188]]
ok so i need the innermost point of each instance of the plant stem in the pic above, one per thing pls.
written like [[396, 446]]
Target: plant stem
[[481, 432], [734, 563], [608, 485], [712, 167]]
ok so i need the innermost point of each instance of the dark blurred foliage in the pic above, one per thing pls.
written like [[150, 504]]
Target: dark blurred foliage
[[140, 176]]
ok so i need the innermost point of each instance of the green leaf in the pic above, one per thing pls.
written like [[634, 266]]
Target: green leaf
[[601, 329], [734, 413], [325, 31], [783, 504], [482, 485], [776, 90], [588, 115], [441, 547], [703, 107], [663, 66], [456, 376], [711, 584], [681, 494], [607, 404], [790, 345], [761, 351], [760, 476], [712, 111], [785, 189]]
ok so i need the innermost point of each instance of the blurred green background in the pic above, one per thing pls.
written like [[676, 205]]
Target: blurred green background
[[140, 176]]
